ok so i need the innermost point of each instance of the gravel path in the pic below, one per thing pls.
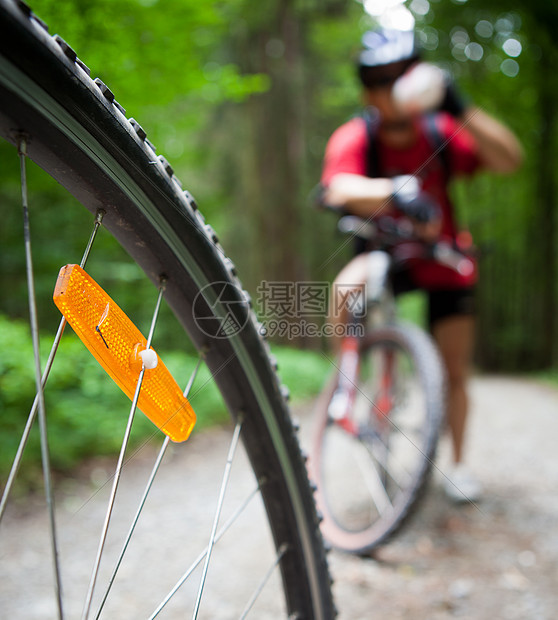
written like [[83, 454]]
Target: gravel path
[[496, 560]]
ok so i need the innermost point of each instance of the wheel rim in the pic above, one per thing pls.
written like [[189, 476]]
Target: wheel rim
[[369, 479]]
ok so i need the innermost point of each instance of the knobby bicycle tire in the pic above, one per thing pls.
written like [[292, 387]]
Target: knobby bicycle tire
[[79, 134], [423, 355]]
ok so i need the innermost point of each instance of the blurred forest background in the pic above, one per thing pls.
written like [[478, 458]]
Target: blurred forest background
[[241, 97]]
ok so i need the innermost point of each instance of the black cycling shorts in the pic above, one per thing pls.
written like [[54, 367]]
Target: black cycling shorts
[[441, 303], [446, 303]]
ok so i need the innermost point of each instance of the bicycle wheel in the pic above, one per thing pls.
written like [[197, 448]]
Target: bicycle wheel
[[76, 131], [372, 465]]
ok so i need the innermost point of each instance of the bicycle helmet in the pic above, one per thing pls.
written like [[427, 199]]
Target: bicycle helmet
[[383, 48]]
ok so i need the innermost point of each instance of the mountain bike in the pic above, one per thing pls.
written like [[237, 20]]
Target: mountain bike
[[378, 419], [71, 125]]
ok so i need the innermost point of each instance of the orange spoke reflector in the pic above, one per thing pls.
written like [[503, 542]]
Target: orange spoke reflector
[[120, 348]]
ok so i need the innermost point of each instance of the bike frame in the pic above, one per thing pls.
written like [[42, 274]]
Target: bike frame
[[376, 307]]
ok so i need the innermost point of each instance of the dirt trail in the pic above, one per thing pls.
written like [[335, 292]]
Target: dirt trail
[[497, 560]]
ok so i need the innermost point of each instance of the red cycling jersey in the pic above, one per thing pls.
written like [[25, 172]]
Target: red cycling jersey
[[347, 151]]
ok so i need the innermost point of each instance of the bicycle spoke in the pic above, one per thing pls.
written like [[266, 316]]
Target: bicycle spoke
[[203, 554], [224, 485], [396, 427], [48, 367], [156, 467], [373, 480], [45, 457], [280, 553], [385, 457], [397, 410], [154, 472], [119, 466]]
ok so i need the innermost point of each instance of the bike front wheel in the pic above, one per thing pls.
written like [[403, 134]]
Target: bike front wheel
[[371, 465], [71, 125]]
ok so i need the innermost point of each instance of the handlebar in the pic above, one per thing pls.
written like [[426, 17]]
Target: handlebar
[[396, 236]]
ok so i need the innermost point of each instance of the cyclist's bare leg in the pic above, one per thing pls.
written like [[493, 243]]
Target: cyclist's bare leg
[[350, 278], [454, 336]]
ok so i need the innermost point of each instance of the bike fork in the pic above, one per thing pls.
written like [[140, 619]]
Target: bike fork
[[343, 399]]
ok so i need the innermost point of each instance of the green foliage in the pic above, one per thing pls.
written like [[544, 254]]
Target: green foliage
[[503, 54], [151, 48], [303, 372], [86, 411], [241, 97], [411, 308], [164, 62]]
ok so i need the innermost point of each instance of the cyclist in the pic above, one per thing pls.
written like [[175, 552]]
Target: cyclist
[[398, 158]]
